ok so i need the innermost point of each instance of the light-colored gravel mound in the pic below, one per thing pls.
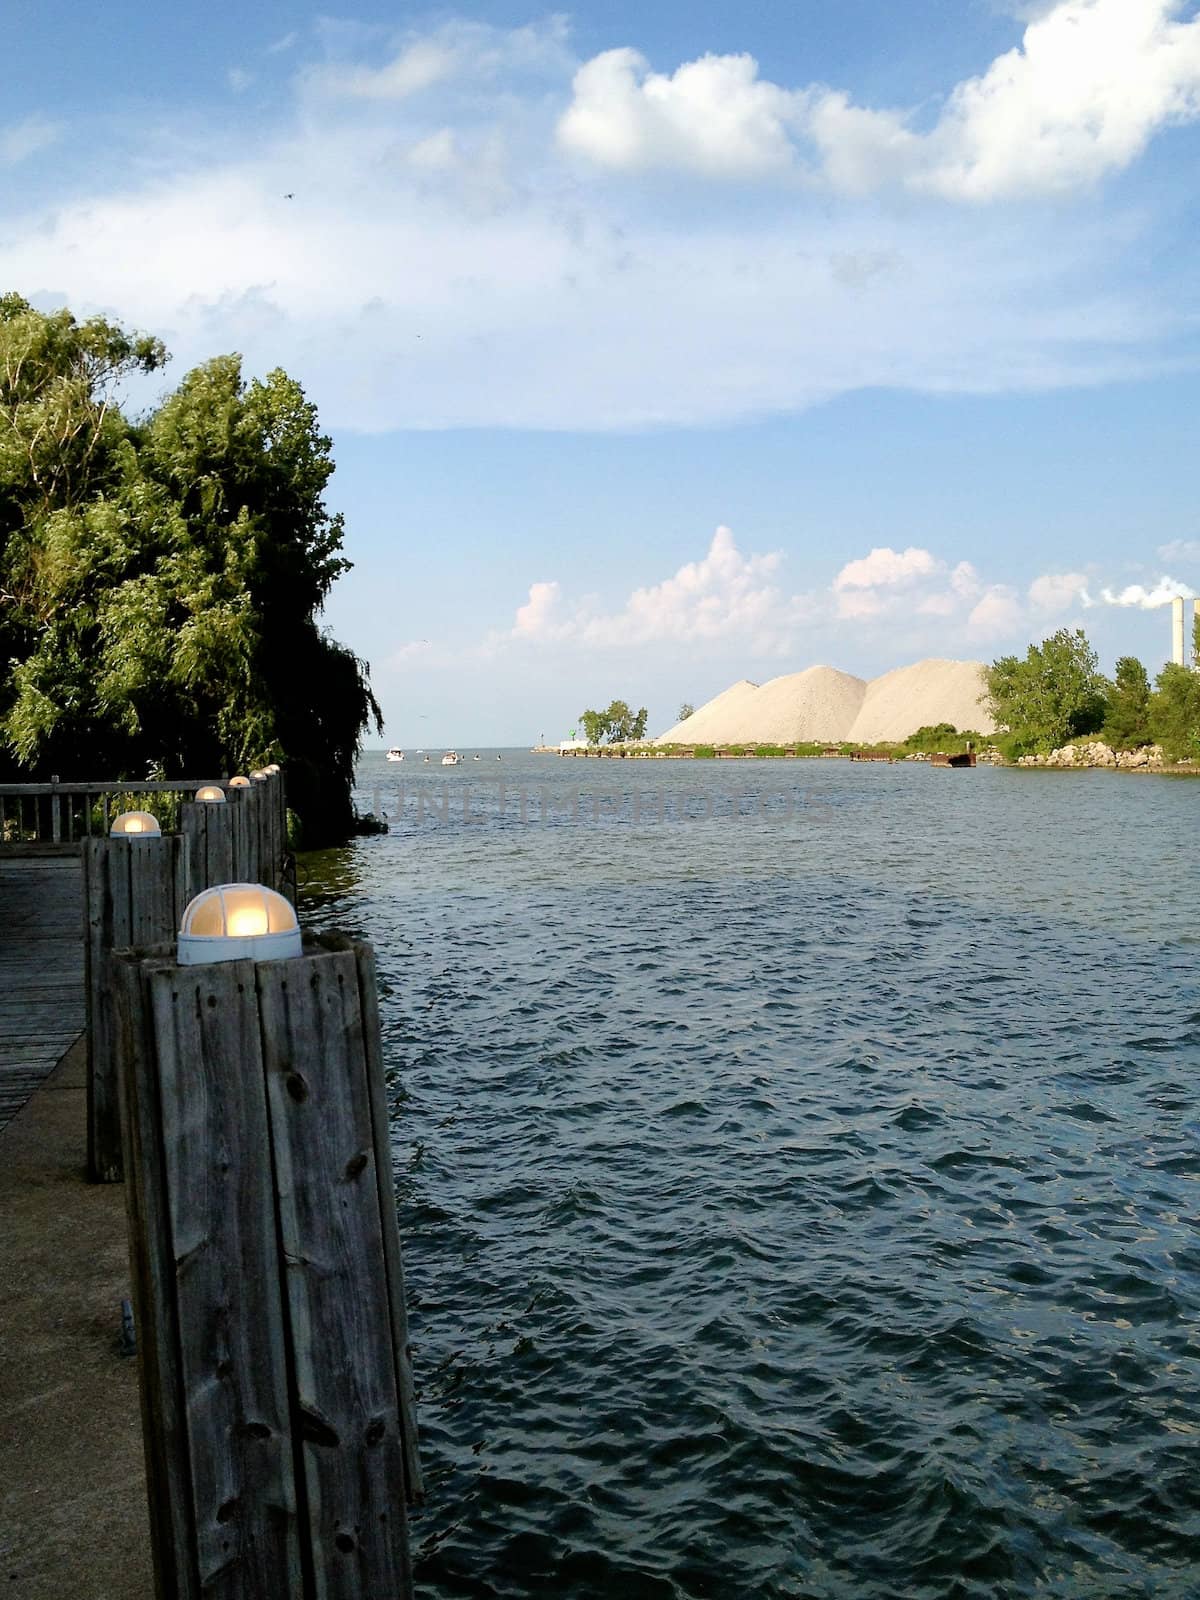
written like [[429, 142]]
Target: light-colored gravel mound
[[713, 715], [815, 704], [920, 696], [823, 704]]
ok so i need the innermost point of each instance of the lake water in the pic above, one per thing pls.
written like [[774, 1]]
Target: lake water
[[798, 1166]]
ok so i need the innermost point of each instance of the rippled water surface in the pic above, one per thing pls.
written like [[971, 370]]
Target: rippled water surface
[[798, 1166]]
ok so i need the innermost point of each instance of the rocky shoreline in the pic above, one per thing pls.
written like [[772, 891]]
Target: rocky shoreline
[[1097, 754]]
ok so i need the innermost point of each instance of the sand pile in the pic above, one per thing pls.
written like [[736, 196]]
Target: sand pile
[[826, 705], [728, 710], [813, 704], [920, 696]]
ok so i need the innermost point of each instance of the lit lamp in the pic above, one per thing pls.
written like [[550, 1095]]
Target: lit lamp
[[237, 922], [239, 783], [274, 767], [135, 822], [211, 794], [258, 775]]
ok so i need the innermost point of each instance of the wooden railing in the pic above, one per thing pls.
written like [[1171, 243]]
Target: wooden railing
[[54, 814]]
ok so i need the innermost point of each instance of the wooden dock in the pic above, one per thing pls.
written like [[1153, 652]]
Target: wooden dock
[[41, 971]]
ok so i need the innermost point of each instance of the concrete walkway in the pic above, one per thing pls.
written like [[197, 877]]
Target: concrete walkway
[[73, 1520]]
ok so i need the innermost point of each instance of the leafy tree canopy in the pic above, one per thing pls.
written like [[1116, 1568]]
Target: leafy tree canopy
[[686, 710], [1127, 721], [1055, 694], [616, 725], [1175, 710], [161, 580]]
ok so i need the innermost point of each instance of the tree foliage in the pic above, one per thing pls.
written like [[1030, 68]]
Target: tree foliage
[[1055, 694], [616, 725], [1175, 711], [1127, 720], [686, 710], [161, 581]]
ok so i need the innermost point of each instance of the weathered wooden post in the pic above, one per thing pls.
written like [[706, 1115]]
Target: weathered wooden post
[[134, 889], [277, 1397]]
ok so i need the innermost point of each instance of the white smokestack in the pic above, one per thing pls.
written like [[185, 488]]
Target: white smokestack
[[1177, 630]]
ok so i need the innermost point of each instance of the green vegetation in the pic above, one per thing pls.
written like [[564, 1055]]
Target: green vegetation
[[943, 737], [1175, 712], [617, 725], [1056, 694], [1127, 720], [162, 577], [686, 710]]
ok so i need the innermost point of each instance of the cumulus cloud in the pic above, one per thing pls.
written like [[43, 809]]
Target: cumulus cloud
[[1056, 592], [714, 116], [741, 600], [1090, 84], [885, 567], [726, 595], [997, 614]]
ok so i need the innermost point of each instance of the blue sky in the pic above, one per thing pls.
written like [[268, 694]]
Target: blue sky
[[663, 350]]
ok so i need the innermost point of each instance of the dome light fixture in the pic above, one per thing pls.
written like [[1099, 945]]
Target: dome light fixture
[[211, 794], [135, 823], [239, 782], [272, 767], [259, 775], [237, 922]]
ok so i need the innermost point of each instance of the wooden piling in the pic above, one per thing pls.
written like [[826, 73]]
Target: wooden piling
[[276, 1385], [134, 891]]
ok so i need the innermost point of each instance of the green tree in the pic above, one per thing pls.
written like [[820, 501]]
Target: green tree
[[686, 710], [1055, 694], [1175, 711], [1127, 720], [615, 725], [162, 580]]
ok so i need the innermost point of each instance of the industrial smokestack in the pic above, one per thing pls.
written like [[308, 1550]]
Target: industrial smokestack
[[1177, 655]]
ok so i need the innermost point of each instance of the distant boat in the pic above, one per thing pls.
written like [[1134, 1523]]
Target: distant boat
[[451, 758], [395, 754], [426, 760], [474, 758]]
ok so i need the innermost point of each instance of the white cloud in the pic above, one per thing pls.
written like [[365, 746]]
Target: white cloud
[[714, 116], [1180, 550], [441, 266], [1157, 594], [1090, 84], [997, 614], [740, 602], [20, 140], [239, 79], [1055, 592], [537, 619], [724, 596], [885, 567]]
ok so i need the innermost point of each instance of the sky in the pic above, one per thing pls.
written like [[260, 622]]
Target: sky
[[662, 347]]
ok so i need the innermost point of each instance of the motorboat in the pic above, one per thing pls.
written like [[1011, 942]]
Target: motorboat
[[451, 758], [474, 758], [395, 754], [426, 760]]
